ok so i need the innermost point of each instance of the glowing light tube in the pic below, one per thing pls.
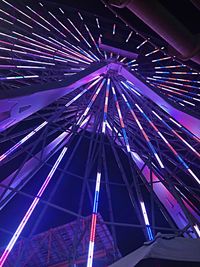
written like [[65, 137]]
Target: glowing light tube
[[50, 24], [179, 158], [129, 36], [91, 103], [63, 26], [97, 21], [121, 120], [92, 38], [160, 59], [12, 149], [79, 32], [114, 29], [97, 188], [83, 92], [143, 133], [26, 15], [146, 220], [144, 42], [106, 107], [152, 52], [94, 221], [31, 209], [145, 216]]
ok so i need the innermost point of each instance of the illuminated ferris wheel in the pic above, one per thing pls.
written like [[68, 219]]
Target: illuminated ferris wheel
[[68, 78]]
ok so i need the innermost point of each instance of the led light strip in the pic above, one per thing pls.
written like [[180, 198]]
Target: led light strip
[[26, 15], [31, 209], [97, 47], [161, 59], [143, 132], [12, 149], [161, 79], [129, 36], [140, 45], [152, 52], [174, 132], [168, 144], [91, 103], [148, 228], [94, 221], [106, 106], [78, 32], [97, 188]]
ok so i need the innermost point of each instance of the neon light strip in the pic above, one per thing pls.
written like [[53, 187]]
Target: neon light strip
[[170, 67], [114, 29], [5, 20], [180, 99], [83, 92], [168, 144], [97, 47], [121, 120], [42, 45], [197, 229], [45, 21], [35, 55], [94, 220], [106, 107], [97, 188], [176, 79], [152, 52], [148, 228], [19, 77], [184, 129], [128, 63], [80, 15], [64, 26], [129, 36], [174, 132], [27, 60], [26, 15], [155, 78], [30, 210], [146, 220], [15, 18], [12, 149], [21, 67], [130, 87], [143, 132], [78, 32], [177, 72], [122, 60], [91, 103], [160, 59], [97, 21], [144, 42], [165, 87], [61, 10]]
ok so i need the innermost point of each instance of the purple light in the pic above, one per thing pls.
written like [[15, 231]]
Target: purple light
[[94, 220], [30, 210], [12, 149]]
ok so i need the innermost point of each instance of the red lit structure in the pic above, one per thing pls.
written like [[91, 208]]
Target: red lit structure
[[64, 246]]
